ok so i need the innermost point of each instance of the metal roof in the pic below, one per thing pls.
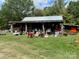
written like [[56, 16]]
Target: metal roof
[[43, 19]]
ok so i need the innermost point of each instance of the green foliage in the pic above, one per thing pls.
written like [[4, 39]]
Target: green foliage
[[68, 18], [56, 9], [73, 9], [52, 47], [15, 10], [70, 14]]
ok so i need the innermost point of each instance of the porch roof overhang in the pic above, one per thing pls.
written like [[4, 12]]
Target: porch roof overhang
[[43, 19]]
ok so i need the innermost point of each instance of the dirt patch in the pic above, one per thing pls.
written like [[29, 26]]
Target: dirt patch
[[8, 51]]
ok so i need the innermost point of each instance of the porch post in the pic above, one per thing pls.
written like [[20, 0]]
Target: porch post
[[43, 28], [62, 28], [11, 28], [25, 28]]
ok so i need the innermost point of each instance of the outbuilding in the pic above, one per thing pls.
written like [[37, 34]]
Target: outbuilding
[[42, 23]]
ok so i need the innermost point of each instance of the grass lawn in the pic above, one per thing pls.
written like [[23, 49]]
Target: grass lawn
[[22, 47]]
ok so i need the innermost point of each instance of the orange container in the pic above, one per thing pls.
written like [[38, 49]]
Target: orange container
[[73, 29]]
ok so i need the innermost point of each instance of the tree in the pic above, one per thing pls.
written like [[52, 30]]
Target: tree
[[73, 9], [55, 9], [20, 8], [16, 10]]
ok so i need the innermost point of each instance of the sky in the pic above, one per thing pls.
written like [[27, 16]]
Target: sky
[[41, 3], [45, 3], [1, 2]]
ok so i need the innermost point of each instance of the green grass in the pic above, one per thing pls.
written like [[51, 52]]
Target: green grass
[[62, 47]]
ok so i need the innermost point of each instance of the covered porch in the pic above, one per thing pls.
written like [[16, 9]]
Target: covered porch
[[43, 24]]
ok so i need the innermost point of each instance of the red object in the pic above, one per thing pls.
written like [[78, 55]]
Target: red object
[[58, 28], [30, 34]]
